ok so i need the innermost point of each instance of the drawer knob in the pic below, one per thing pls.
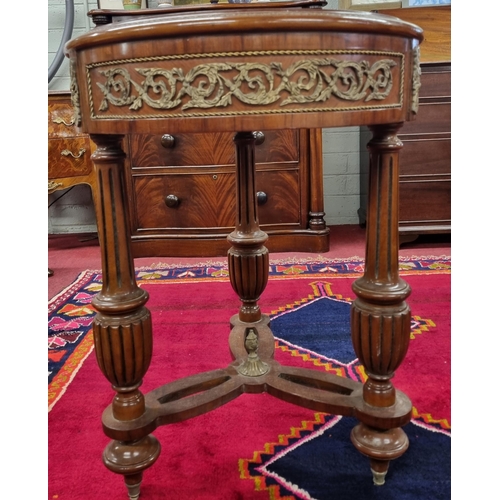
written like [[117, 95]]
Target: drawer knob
[[261, 197], [259, 137], [67, 152], [167, 141], [172, 201]]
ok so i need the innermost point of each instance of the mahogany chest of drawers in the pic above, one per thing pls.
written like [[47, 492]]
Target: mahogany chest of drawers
[[181, 189], [425, 160], [182, 192], [425, 176]]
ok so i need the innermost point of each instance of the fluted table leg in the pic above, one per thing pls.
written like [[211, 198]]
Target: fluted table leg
[[380, 317], [122, 325]]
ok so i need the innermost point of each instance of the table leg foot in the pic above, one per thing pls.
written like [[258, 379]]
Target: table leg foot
[[380, 446], [133, 483], [130, 459], [379, 470]]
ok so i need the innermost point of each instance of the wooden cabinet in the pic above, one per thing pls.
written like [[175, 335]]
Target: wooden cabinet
[[69, 149], [425, 160], [182, 193], [425, 175], [181, 189]]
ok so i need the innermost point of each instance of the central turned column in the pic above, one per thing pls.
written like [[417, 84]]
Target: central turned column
[[380, 317], [248, 262], [248, 258]]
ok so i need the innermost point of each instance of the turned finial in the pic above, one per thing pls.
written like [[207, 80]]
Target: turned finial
[[253, 366]]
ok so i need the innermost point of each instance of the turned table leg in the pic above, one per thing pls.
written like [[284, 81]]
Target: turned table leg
[[122, 326], [380, 317]]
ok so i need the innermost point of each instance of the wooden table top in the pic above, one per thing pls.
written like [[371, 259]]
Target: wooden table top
[[235, 67]]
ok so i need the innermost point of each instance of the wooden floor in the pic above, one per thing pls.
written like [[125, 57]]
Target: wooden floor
[[68, 255]]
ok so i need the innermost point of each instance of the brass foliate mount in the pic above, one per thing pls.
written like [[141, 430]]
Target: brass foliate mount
[[253, 366]]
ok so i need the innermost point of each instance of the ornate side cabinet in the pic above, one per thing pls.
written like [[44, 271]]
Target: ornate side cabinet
[[182, 193], [69, 148]]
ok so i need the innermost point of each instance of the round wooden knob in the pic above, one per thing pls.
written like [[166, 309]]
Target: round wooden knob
[[261, 197], [259, 137], [167, 141], [172, 201]]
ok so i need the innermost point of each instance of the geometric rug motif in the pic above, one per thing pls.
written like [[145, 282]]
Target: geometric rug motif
[[319, 455], [70, 323], [330, 314], [321, 459]]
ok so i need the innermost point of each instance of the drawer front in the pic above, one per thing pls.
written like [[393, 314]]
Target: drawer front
[[208, 200], [435, 83], [426, 157], [61, 120], [431, 119], [425, 201], [69, 157], [208, 149]]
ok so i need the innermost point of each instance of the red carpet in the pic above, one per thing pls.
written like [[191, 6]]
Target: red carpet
[[221, 455]]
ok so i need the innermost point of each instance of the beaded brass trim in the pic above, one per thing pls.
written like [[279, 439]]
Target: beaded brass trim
[[212, 87], [416, 84], [75, 94]]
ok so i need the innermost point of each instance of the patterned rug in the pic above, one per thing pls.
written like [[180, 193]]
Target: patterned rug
[[281, 451]]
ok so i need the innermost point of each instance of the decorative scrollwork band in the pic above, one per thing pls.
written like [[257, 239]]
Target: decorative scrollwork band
[[213, 85]]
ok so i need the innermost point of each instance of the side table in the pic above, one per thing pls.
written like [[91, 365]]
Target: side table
[[242, 68]]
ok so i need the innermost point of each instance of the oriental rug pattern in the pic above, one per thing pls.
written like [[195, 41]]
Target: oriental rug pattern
[[298, 457]]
